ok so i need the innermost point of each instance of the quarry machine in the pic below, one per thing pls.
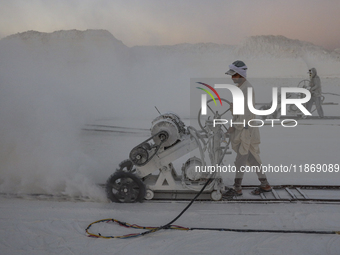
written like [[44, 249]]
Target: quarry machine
[[149, 173]]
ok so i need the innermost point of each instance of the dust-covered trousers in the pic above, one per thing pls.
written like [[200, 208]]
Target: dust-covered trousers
[[318, 102], [244, 160]]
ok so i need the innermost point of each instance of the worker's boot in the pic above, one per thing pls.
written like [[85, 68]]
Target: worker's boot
[[264, 187], [236, 190], [237, 186]]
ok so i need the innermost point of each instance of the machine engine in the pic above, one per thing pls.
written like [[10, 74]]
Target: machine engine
[[166, 130], [169, 124]]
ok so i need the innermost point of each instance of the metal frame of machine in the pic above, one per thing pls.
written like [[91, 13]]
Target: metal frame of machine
[[149, 172]]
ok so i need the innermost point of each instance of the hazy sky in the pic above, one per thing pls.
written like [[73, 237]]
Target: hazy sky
[[154, 22]]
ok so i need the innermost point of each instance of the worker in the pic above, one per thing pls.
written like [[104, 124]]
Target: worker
[[245, 139], [315, 90]]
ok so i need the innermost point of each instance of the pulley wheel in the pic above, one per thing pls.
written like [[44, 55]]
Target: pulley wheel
[[139, 156]]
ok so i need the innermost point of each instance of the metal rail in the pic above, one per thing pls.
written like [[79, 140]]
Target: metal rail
[[279, 193]]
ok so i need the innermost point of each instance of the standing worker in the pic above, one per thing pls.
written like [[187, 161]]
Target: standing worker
[[245, 139], [315, 90]]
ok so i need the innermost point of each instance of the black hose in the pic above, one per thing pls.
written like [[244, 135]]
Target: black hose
[[181, 213], [169, 226], [269, 230]]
